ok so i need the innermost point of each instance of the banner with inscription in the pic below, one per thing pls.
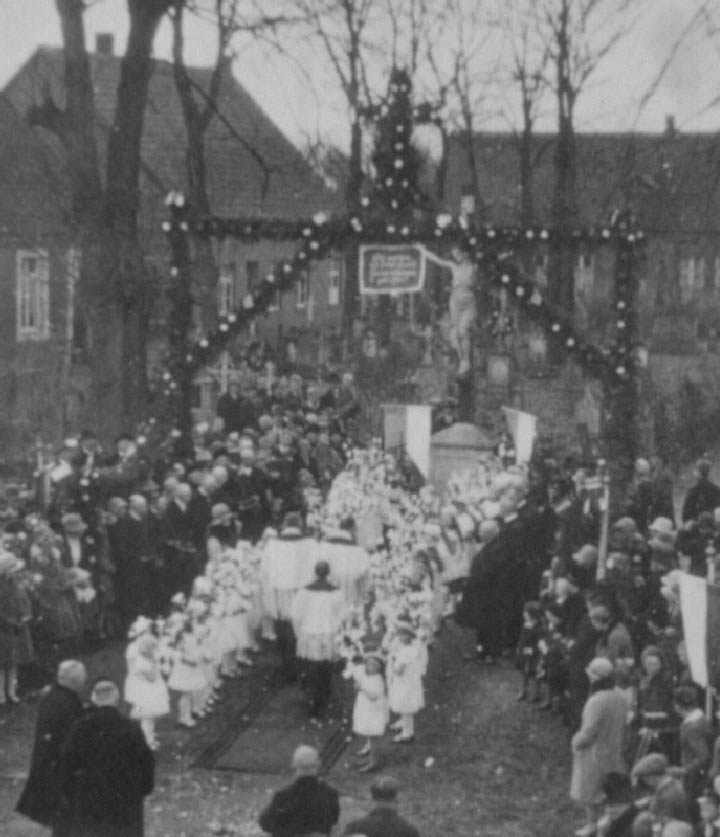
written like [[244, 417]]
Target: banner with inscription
[[391, 269]]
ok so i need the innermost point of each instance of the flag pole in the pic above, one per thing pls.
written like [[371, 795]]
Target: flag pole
[[710, 563], [604, 521]]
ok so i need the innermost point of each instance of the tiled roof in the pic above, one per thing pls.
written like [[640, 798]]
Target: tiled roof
[[283, 185], [33, 196], [672, 180]]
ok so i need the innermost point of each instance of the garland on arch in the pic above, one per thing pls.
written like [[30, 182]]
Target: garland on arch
[[394, 211], [493, 250]]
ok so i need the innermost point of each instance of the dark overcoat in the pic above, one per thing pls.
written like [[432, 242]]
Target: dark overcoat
[[16, 648], [382, 822], [57, 710], [107, 769], [306, 806]]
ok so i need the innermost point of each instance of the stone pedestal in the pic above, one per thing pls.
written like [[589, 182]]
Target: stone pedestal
[[456, 449]]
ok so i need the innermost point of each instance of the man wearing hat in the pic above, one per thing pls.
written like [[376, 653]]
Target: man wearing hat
[[704, 496], [695, 743], [252, 493], [58, 708], [306, 808], [236, 411], [383, 820], [79, 550], [106, 769]]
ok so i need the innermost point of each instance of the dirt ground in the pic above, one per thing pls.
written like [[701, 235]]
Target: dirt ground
[[481, 764]]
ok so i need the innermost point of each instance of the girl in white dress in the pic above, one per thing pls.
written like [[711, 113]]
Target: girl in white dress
[[187, 674], [370, 711], [145, 687], [406, 669]]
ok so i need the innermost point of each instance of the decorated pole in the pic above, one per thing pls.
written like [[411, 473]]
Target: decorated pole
[[604, 504], [178, 378]]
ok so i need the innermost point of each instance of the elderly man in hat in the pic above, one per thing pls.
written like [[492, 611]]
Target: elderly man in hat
[[306, 808], [58, 708], [107, 769], [384, 819], [316, 614]]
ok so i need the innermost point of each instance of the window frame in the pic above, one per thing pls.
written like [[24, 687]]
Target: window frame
[[32, 296]]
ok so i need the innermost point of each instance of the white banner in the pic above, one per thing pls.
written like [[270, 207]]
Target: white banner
[[693, 606], [523, 428], [418, 426], [391, 269]]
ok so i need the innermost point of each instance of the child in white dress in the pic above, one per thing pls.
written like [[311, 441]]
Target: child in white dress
[[187, 675], [370, 711], [406, 669], [145, 688]]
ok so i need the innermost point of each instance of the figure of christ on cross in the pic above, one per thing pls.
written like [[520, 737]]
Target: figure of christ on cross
[[463, 306]]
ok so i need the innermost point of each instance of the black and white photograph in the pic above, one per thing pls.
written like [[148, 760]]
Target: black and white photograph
[[360, 418]]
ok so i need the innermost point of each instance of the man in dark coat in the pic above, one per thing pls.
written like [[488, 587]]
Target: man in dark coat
[[58, 709], [134, 558], [383, 820], [107, 769], [236, 411], [306, 807], [482, 598], [704, 496]]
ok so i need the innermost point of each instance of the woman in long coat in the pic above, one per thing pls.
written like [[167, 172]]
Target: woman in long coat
[[597, 747], [16, 648]]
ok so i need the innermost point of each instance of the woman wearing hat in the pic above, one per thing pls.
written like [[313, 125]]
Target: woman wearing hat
[[16, 648], [57, 624], [597, 747]]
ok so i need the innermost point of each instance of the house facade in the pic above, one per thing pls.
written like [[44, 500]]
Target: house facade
[[39, 267], [253, 171]]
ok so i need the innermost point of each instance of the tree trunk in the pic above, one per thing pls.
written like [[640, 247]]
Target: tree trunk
[[527, 209], [353, 194], [79, 119], [96, 300], [561, 287], [122, 201]]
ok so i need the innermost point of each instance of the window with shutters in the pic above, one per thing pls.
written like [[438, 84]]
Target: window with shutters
[[33, 295], [699, 273], [226, 289], [334, 279], [585, 272]]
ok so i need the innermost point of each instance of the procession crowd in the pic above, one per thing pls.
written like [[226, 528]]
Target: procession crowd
[[285, 528]]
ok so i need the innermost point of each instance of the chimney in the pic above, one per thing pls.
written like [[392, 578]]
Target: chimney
[[105, 44], [670, 126]]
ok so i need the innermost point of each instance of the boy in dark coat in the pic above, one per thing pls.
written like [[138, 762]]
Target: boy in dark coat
[[107, 769], [383, 820], [58, 709], [308, 806]]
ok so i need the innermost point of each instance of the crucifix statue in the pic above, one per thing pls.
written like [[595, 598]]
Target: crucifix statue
[[463, 306]]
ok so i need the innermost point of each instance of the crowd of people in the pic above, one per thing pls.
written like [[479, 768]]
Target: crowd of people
[[598, 638], [289, 530]]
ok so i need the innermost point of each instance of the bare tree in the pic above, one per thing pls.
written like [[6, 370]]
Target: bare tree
[[528, 56], [580, 35], [114, 291]]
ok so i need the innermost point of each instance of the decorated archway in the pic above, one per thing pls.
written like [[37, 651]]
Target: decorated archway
[[395, 214]]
